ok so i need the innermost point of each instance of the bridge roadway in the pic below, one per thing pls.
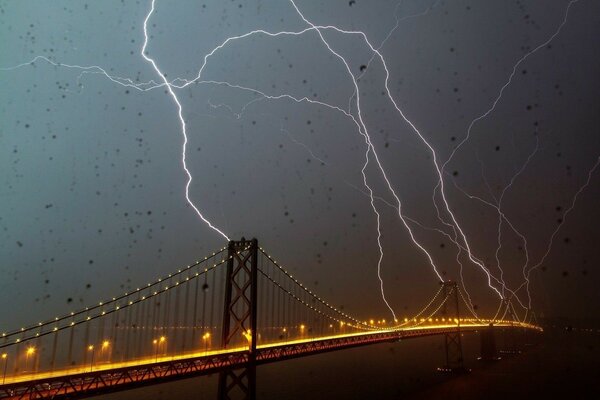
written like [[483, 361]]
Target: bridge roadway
[[115, 376]]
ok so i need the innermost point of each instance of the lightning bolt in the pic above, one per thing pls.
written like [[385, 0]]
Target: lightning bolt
[[371, 154], [509, 80], [372, 148], [144, 54], [555, 232], [440, 183], [502, 218], [388, 36]]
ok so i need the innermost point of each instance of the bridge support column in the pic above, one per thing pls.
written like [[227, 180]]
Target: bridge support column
[[452, 340], [489, 352], [512, 342]]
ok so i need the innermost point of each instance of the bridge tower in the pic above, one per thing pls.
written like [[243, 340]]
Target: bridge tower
[[239, 314], [239, 317], [452, 340], [512, 339]]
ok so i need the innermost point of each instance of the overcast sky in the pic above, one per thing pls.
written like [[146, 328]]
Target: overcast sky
[[92, 186]]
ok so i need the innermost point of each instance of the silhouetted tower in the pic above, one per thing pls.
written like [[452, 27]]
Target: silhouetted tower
[[511, 338], [239, 317], [452, 340]]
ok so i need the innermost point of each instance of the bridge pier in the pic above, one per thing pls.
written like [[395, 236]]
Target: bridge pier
[[530, 339], [489, 351], [512, 341], [238, 384]]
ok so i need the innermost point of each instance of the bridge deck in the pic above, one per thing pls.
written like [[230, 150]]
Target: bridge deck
[[121, 375]]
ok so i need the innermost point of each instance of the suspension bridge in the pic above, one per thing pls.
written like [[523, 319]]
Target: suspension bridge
[[226, 313]]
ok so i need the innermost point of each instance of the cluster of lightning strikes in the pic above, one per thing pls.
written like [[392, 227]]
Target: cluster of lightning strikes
[[446, 216]]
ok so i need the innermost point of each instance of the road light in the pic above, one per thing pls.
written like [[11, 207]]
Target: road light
[[158, 342], [302, 329], [5, 359], [91, 348], [206, 339], [105, 346], [30, 351]]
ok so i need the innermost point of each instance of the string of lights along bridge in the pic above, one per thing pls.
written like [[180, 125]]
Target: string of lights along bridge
[[234, 308]]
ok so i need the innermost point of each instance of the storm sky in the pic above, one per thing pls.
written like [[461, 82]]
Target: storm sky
[[92, 186]]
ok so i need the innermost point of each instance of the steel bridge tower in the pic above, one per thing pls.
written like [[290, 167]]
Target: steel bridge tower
[[239, 316], [452, 340]]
